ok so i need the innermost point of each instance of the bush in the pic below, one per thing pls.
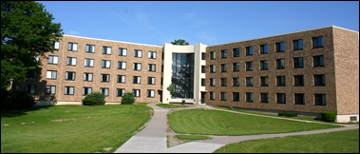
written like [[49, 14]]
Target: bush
[[286, 114], [128, 98], [328, 116], [281, 113], [17, 100], [95, 98]]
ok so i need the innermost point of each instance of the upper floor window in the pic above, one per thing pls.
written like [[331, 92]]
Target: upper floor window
[[122, 65], [106, 50], [56, 45], [319, 80], [90, 48], [151, 93], [223, 82], [53, 59], [72, 46], [105, 78], [151, 67], [236, 82], [51, 75], [152, 55], [264, 49], [320, 99], [203, 82], [31, 74], [202, 69], [121, 79], [280, 47], [264, 80], [137, 66], [264, 65], [203, 57], [319, 61], [69, 90], [122, 51], [151, 80], [138, 53], [280, 63], [71, 61], [105, 64], [298, 44], [89, 62], [236, 52], [249, 81], [212, 55], [212, 82], [136, 79], [212, 68], [318, 42], [223, 53], [88, 76], [236, 67], [50, 89], [223, 67], [299, 80], [249, 51], [299, 62], [249, 66], [30, 88], [70, 76], [280, 80]]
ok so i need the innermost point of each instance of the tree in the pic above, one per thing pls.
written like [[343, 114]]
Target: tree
[[171, 89], [180, 42], [27, 32]]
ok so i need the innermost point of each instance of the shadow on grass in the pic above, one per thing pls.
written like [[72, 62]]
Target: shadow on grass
[[16, 113]]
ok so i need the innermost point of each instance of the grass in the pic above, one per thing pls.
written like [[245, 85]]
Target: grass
[[192, 137], [333, 142], [171, 105], [215, 122], [70, 129]]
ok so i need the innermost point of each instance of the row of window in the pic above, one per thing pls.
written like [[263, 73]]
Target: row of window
[[320, 99], [106, 50], [264, 64], [69, 90], [318, 42], [319, 80]]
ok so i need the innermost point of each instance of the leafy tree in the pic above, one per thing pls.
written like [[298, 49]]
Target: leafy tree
[[180, 42], [171, 89], [27, 32]]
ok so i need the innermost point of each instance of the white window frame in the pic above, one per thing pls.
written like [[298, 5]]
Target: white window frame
[[122, 79], [53, 59], [69, 90], [51, 75], [107, 77], [107, 51], [152, 80], [122, 65], [122, 92], [87, 89], [67, 76], [90, 48], [51, 89], [138, 53], [72, 46], [105, 91], [152, 54], [138, 79], [151, 67], [122, 52], [72, 61], [90, 62], [136, 92], [151, 94], [105, 64], [137, 66], [56, 45], [89, 76]]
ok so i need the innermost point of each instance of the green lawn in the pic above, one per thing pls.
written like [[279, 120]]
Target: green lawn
[[192, 137], [333, 142], [215, 122], [83, 129], [171, 105]]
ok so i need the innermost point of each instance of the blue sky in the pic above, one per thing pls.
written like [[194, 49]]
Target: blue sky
[[210, 23]]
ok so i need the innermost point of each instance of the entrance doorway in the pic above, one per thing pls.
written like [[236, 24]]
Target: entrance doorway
[[203, 97]]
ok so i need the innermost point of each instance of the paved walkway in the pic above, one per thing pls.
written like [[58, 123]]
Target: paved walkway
[[152, 139]]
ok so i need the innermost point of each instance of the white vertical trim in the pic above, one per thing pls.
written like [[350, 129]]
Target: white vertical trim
[[123, 79], [56, 60], [57, 45], [90, 76], [108, 50], [93, 48], [124, 52], [75, 46], [108, 64], [73, 61], [48, 74]]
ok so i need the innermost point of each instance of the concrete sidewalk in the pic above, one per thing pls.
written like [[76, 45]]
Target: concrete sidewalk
[[152, 139]]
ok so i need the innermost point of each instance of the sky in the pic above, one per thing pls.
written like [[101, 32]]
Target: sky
[[206, 22]]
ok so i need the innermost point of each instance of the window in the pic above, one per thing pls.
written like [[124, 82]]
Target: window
[[120, 92], [203, 56], [30, 88], [72, 46], [90, 48], [298, 44], [137, 66], [152, 68], [264, 97], [31, 74], [280, 80], [236, 52], [212, 82], [162, 55], [249, 66], [249, 81], [280, 63], [53, 59], [236, 67], [202, 69], [50, 90], [162, 68], [319, 61], [281, 98], [299, 62], [88, 76], [57, 45], [136, 92], [136, 79], [249, 97], [264, 81], [353, 118], [71, 61], [212, 95], [236, 82], [223, 53], [89, 62], [280, 47], [105, 91], [223, 67], [121, 79], [138, 53], [300, 99], [70, 76], [151, 93], [320, 99], [122, 51], [212, 55], [264, 49], [152, 55], [249, 51], [105, 64], [51, 75], [264, 65], [236, 96], [105, 78], [106, 50], [69, 90], [151, 80], [122, 65], [299, 80], [223, 82], [212, 68], [318, 42], [319, 80], [203, 82], [162, 80], [86, 90], [223, 96], [35, 58]]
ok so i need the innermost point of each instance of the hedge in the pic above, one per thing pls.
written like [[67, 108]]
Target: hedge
[[328, 116], [95, 98], [287, 114]]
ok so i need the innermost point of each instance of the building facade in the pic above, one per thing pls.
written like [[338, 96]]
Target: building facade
[[307, 71]]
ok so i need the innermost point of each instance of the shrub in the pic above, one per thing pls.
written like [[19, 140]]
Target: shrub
[[128, 98], [286, 114], [95, 98], [17, 100], [281, 113], [328, 116]]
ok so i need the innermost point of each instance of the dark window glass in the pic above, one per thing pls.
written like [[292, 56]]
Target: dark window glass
[[319, 80], [223, 67], [264, 97], [318, 42], [281, 98], [236, 96], [236, 82], [299, 62], [280, 80], [264, 65], [280, 63], [249, 81], [236, 52], [236, 67], [223, 53], [300, 99], [249, 97], [320, 99], [280, 47], [183, 75], [319, 61], [264, 81], [223, 82], [264, 49], [249, 66], [298, 44], [223, 96], [299, 80], [249, 51]]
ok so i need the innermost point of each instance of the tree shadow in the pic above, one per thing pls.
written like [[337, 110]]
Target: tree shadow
[[21, 112]]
